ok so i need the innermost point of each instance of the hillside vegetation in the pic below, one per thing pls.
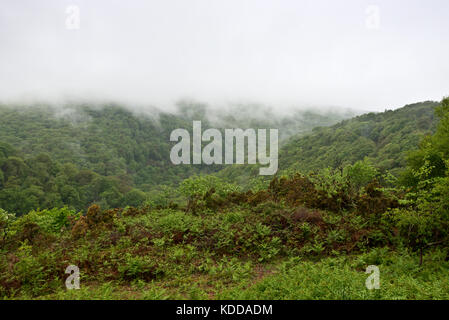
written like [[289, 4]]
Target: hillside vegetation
[[383, 138], [302, 236], [78, 155]]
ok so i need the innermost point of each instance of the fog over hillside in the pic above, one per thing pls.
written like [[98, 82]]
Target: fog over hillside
[[226, 150], [355, 54]]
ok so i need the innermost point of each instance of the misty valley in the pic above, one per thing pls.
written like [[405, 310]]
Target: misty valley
[[94, 188], [219, 153]]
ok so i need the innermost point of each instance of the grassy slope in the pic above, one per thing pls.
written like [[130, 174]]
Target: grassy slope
[[329, 279], [261, 250]]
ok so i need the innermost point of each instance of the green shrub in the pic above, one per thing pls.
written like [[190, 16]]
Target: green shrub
[[51, 221]]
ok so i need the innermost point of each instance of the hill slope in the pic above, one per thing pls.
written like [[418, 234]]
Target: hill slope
[[384, 137], [77, 155]]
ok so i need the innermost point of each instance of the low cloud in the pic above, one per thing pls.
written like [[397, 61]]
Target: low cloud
[[280, 53]]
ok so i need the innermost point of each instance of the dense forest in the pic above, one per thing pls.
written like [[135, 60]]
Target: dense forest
[[78, 155], [383, 138], [92, 187]]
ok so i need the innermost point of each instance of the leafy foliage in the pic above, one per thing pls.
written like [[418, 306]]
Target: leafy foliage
[[302, 235], [77, 155], [385, 138]]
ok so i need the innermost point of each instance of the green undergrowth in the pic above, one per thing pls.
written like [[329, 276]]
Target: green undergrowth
[[267, 251]]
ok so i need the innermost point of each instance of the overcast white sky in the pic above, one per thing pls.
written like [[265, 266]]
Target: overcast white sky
[[278, 52]]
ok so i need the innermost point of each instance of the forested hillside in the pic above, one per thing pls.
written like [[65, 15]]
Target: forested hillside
[[78, 154], [383, 138], [303, 236]]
